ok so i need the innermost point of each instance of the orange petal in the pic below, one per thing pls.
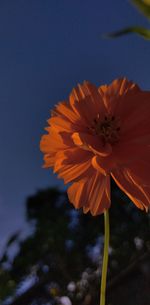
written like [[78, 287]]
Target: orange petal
[[53, 141], [72, 172], [135, 117], [92, 193], [92, 143], [76, 155], [60, 124], [144, 188], [96, 98], [49, 160], [99, 199], [103, 164], [134, 112], [111, 94], [127, 152], [137, 135], [71, 157], [140, 171], [64, 109], [134, 191], [50, 144], [87, 102]]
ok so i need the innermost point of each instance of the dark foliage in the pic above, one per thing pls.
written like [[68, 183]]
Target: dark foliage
[[57, 251]]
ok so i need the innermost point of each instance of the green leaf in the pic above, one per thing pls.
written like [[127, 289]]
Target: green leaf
[[145, 33], [143, 6]]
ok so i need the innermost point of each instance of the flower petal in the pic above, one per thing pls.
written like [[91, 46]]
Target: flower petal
[[127, 152], [103, 164], [92, 193], [87, 102], [60, 124], [54, 141], [111, 94], [92, 143], [64, 109], [71, 157], [131, 188], [71, 172], [140, 172], [76, 155], [96, 98], [49, 160], [135, 116]]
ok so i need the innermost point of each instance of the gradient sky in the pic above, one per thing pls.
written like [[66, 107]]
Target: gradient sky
[[46, 48]]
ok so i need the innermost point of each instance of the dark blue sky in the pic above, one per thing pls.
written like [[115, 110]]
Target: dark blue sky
[[46, 47]]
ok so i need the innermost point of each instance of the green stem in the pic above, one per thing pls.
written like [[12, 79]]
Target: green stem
[[105, 258]]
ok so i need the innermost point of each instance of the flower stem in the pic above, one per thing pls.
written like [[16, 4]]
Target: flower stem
[[105, 258]]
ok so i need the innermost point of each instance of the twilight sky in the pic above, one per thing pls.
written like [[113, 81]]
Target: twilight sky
[[46, 48]]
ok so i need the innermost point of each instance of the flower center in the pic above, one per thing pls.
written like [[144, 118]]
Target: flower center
[[108, 129]]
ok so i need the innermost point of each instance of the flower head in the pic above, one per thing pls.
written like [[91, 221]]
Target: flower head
[[97, 134]]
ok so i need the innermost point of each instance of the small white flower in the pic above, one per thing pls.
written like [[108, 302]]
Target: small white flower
[[71, 287], [65, 301]]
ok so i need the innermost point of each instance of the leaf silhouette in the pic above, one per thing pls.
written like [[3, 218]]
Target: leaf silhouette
[[143, 6], [145, 33], [12, 239]]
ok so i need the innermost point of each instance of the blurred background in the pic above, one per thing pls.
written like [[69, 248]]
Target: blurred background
[[46, 48]]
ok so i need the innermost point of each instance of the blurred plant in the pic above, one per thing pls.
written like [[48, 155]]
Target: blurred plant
[[60, 259], [144, 7]]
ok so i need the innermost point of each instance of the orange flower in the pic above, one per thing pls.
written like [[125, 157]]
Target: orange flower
[[98, 133]]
